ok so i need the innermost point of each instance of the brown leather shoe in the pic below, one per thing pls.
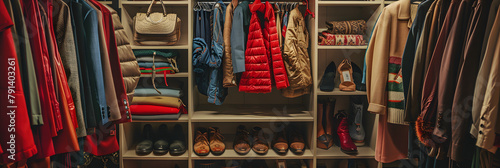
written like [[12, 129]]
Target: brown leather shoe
[[201, 146], [217, 145], [280, 143], [296, 140], [241, 143], [260, 145], [346, 80]]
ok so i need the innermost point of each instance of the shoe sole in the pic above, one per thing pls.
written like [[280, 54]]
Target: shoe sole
[[177, 153], [359, 143], [355, 152], [202, 154], [297, 152], [261, 153], [143, 152], [160, 152], [280, 152], [242, 152]]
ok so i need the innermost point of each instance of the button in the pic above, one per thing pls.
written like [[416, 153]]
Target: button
[[438, 125], [128, 117], [482, 118], [480, 132], [126, 107], [126, 112], [482, 125], [125, 101]]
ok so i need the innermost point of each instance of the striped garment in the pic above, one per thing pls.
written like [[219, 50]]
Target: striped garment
[[395, 96]]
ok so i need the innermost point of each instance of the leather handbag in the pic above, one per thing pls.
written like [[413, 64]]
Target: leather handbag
[[155, 28]]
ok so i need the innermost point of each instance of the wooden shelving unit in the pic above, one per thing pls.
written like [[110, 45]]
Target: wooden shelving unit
[[255, 109]]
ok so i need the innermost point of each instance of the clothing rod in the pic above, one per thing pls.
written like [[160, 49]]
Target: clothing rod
[[299, 3]]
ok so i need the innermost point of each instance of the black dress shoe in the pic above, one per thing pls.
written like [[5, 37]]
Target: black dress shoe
[[328, 80], [178, 141], [161, 145], [145, 147]]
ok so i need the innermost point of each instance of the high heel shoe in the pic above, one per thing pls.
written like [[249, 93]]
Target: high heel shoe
[[325, 138], [342, 138]]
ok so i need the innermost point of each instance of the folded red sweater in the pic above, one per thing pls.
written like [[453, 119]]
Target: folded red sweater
[[155, 110]]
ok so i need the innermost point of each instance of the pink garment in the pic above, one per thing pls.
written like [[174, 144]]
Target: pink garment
[[392, 141]]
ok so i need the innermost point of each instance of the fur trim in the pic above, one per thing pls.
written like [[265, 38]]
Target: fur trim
[[424, 131]]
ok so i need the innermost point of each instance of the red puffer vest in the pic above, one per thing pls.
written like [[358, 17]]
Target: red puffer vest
[[263, 54]]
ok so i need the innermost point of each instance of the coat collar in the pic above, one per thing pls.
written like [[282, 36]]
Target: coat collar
[[404, 10]]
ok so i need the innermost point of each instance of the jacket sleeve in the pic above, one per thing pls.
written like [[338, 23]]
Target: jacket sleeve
[[377, 61], [238, 42], [489, 111]]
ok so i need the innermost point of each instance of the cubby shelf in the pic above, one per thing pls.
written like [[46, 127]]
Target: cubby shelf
[[325, 47], [176, 75], [364, 152], [337, 92], [231, 154], [157, 2], [182, 118], [131, 155], [173, 47], [348, 3], [252, 113]]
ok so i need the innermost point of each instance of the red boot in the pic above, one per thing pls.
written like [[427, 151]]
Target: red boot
[[343, 137]]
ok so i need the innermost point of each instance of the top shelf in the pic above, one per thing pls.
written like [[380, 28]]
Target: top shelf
[[349, 3], [149, 2], [251, 113]]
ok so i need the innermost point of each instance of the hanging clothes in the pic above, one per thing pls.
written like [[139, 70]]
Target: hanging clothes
[[229, 79], [25, 58], [239, 29], [263, 56], [19, 140], [461, 151], [296, 56], [381, 54], [216, 92]]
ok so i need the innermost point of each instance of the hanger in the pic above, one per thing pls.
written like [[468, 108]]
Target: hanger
[[307, 10]]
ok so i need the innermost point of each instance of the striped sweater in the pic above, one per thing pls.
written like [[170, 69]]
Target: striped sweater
[[395, 95]]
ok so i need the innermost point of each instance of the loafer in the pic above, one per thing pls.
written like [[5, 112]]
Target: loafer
[[178, 141], [145, 147], [201, 146], [161, 145], [280, 143], [327, 82], [296, 140], [217, 146], [241, 144], [260, 145]]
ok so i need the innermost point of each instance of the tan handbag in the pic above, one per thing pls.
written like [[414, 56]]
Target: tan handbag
[[154, 28]]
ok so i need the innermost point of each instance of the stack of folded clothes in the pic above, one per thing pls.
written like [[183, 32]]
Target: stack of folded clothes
[[343, 33], [157, 103], [159, 62]]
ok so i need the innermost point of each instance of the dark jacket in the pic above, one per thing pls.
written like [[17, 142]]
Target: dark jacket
[[461, 150]]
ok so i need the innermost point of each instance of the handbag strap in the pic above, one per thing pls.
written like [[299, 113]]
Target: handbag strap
[[151, 6]]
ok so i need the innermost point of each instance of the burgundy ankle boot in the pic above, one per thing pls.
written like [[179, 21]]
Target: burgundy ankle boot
[[343, 138]]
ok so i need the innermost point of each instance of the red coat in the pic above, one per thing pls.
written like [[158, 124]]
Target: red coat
[[15, 129], [263, 54]]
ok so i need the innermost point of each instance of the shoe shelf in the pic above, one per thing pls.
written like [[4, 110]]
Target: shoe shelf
[[176, 75], [348, 3], [230, 154], [329, 47], [337, 92], [138, 47], [182, 118], [131, 155], [364, 152], [251, 113]]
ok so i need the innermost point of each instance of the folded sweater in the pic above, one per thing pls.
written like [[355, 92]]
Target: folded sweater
[[149, 53], [157, 117], [153, 110], [157, 100], [144, 92]]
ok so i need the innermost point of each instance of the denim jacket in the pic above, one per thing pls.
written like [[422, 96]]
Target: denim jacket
[[216, 92]]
